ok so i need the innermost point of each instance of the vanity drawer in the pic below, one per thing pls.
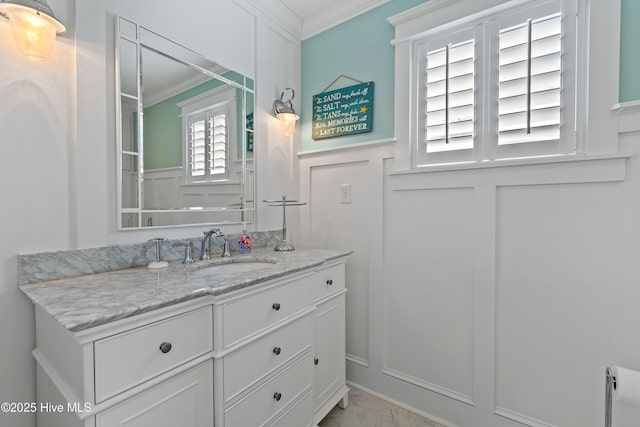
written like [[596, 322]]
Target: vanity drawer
[[130, 358], [246, 316], [329, 280], [244, 367], [184, 400], [272, 397], [300, 415]]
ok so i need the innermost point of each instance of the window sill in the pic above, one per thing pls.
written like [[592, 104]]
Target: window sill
[[502, 163]]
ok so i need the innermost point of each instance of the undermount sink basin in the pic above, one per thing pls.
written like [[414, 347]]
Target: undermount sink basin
[[239, 266]]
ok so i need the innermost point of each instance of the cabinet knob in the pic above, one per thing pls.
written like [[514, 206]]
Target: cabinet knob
[[276, 350], [165, 347], [277, 396], [315, 361], [330, 282], [276, 306]]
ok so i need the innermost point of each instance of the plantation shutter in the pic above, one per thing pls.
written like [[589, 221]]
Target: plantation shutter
[[218, 144], [498, 86], [449, 101], [447, 75], [197, 146], [530, 81]]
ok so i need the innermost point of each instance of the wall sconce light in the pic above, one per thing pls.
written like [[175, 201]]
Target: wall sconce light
[[285, 112], [34, 26]]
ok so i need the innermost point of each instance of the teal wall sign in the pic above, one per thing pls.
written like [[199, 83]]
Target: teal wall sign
[[345, 111], [249, 126]]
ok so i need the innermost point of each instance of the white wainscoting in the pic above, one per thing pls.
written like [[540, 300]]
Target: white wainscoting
[[165, 188], [488, 297], [356, 226], [428, 283]]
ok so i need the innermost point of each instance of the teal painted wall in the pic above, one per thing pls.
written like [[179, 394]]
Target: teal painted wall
[[162, 135], [163, 125], [163, 129], [361, 48], [630, 51]]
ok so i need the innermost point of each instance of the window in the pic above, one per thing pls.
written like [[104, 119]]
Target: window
[[500, 84], [209, 126], [207, 144]]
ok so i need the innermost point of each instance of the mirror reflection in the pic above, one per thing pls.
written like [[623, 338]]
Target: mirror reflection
[[186, 135]]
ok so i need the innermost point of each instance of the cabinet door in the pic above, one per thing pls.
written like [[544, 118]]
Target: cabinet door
[[185, 400], [329, 372]]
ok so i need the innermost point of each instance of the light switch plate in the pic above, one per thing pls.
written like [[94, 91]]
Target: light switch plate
[[345, 193]]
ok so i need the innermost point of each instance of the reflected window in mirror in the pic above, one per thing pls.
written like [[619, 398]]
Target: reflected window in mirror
[[209, 126]]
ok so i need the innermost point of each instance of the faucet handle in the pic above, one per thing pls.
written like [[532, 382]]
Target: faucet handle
[[188, 251], [225, 248]]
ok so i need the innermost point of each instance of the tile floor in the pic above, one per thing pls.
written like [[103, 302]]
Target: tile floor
[[365, 410]]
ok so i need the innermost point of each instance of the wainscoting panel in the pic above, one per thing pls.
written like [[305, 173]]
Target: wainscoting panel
[[161, 188], [496, 295], [559, 282], [166, 189], [429, 289], [355, 226], [345, 226]]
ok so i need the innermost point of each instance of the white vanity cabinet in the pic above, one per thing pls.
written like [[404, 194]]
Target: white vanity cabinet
[[329, 385], [269, 354], [147, 370], [263, 366]]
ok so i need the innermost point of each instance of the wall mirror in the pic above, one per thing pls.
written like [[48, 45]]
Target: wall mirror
[[185, 135]]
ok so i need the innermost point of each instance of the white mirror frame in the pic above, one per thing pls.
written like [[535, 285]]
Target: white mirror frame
[[131, 32]]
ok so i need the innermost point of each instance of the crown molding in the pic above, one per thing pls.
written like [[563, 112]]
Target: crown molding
[[336, 15], [275, 13]]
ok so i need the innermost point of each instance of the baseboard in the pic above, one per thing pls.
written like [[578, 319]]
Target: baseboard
[[429, 386], [402, 405], [521, 418], [357, 360]]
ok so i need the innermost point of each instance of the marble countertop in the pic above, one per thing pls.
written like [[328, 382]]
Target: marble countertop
[[82, 302]]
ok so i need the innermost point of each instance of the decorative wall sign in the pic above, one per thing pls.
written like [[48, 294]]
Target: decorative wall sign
[[345, 111], [249, 126]]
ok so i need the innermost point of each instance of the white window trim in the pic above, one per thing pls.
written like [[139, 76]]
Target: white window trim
[[223, 95], [596, 86]]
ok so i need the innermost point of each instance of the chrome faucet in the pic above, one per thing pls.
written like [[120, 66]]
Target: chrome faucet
[[205, 253]]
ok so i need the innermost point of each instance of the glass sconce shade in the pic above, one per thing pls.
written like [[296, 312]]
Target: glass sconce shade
[[287, 122], [285, 113], [33, 25]]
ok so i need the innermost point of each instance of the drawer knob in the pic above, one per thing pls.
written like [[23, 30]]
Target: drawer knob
[[276, 306], [165, 347], [329, 282], [276, 350], [277, 396], [315, 361]]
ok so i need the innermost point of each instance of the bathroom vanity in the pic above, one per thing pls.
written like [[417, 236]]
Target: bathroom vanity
[[248, 341]]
